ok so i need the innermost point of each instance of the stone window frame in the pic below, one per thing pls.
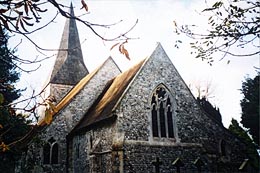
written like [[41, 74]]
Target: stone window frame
[[170, 94], [53, 152]]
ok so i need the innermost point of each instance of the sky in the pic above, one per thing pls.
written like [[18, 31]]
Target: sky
[[155, 24]]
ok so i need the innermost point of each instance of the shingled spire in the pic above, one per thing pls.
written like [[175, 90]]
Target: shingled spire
[[69, 66]]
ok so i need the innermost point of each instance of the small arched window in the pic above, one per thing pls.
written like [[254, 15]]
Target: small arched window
[[54, 155], [50, 152], [46, 153], [162, 113]]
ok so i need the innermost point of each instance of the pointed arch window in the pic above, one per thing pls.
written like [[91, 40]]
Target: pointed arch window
[[50, 152], [162, 113], [46, 153]]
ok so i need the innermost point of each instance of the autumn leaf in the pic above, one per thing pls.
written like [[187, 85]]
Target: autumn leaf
[[5, 23], [27, 23], [18, 5], [52, 107], [123, 50], [3, 10], [51, 99], [1, 126], [48, 116], [4, 147], [26, 9], [114, 46], [22, 25], [84, 5]]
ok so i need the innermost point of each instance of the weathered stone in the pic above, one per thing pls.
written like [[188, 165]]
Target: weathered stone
[[124, 141]]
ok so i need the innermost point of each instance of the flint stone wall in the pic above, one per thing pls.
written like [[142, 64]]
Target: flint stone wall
[[68, 117], [192, 123], [98, 157]]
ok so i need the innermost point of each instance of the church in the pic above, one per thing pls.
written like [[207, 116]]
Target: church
[[142, 120]]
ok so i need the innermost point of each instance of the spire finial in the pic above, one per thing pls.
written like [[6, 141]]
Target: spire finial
[[71, 9]]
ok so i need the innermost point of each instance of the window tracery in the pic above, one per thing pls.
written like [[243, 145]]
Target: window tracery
[[162, 113]]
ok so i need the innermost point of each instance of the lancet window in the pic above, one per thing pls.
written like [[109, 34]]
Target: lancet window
[[50, 152], [162, 113]]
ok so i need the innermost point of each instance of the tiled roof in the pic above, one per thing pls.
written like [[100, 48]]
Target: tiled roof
[[74, 91], [103, 107]]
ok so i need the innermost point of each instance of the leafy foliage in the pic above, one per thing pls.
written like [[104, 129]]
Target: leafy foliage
[[12, 126], [209, 109], [235, 128], [19, 15], [8, 75], [15, 14], [231, 24], [22, 13], [250, 106]]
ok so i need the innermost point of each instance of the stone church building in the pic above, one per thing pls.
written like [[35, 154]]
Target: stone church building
[[142, 120]]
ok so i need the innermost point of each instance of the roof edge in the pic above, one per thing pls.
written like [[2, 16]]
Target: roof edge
[[158, 44], [74, 91], [130, 83]]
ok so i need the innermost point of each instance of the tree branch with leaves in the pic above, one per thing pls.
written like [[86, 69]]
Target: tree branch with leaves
[[25, 17], [232, 25], [21, 16]]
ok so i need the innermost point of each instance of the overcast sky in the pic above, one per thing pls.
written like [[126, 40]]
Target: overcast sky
[[155, 24]]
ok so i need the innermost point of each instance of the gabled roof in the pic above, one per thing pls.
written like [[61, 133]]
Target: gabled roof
[[75, 90], [104, 106], [69, 67]]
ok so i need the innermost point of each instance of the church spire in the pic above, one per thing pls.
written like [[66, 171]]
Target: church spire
[[69, 67]]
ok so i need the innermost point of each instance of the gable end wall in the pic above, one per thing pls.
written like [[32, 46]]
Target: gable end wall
[[68, 117], [193, 125]]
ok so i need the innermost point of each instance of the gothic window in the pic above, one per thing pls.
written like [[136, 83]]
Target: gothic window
[[54, 155], [154, 118], [161, 113], [50, 152], [169, 118]]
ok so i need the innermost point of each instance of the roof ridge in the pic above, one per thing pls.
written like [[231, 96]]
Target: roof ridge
[[75, 90], [108, 99], [145, 60]]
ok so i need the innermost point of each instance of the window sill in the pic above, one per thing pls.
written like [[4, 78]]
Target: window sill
[[162, 143]]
